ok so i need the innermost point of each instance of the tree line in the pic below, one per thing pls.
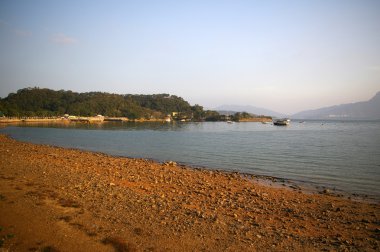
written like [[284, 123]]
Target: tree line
[[43, 102]]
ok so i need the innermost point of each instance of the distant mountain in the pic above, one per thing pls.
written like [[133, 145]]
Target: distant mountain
[[249, 109], [355, 111]]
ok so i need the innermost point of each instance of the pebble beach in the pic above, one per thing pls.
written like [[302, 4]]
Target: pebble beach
[[72, 200]]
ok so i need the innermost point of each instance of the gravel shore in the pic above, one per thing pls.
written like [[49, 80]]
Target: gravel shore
[[57, 199]]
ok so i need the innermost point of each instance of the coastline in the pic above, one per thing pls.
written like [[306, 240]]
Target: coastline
[[6, 121], [51, 194], [9, 121]]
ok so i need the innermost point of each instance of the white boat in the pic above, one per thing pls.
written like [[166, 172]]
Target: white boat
[[281, 122]]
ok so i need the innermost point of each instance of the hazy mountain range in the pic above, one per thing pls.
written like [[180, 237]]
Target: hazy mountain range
[[359, 110], [225, 109], [354, 111]]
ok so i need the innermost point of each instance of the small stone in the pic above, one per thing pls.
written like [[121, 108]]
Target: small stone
[[170, 163], [326, 191]]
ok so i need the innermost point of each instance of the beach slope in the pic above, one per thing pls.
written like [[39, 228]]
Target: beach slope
[[56, 199]]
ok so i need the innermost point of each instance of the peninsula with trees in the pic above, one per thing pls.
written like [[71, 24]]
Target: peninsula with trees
[[46, 103]]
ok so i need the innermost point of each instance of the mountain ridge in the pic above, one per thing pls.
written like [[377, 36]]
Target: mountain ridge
[[249, 109], [357, 111]]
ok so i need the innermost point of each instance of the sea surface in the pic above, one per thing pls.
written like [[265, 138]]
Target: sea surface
[[340, 155]]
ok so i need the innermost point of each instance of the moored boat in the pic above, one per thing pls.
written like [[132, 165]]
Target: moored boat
[[281, 122]]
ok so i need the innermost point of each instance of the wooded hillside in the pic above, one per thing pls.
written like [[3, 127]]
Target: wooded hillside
[[43, 102], [47, 102]]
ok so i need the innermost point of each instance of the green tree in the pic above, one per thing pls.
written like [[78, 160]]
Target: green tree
[[198, 112], [211, 115]]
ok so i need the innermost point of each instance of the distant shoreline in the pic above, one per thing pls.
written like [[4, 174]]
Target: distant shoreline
[[106, 119]]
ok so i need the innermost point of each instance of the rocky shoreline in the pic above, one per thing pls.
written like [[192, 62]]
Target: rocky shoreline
[[57, 199]]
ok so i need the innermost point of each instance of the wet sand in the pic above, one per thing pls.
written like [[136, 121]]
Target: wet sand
[[56, 199]]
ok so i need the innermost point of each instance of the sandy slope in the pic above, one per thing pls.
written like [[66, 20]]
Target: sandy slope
[[55, 199]]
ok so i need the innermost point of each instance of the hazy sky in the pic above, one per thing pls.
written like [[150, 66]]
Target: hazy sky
[[282, 55]]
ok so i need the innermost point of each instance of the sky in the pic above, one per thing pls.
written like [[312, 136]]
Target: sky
[[286, 56]]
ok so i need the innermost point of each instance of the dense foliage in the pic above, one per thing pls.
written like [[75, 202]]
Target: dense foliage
[[46, 102]]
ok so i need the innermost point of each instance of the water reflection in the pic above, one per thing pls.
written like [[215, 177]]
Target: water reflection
[[103, 125]]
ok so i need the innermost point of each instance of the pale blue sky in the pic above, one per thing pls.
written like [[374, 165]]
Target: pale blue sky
[[282, 55]]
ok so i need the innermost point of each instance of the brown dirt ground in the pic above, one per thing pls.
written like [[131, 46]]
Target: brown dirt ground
[[56, 199]]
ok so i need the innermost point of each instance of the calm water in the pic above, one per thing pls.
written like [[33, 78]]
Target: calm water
[[340, 155]]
